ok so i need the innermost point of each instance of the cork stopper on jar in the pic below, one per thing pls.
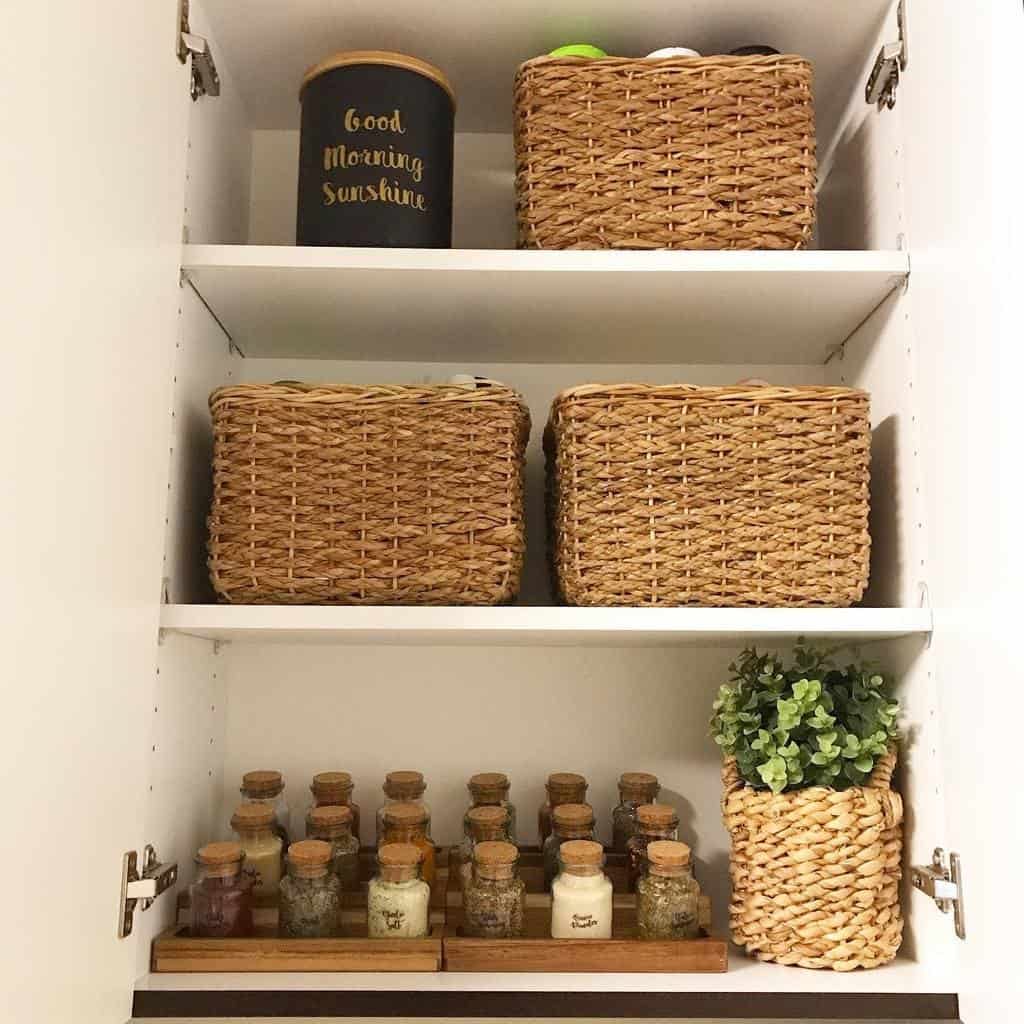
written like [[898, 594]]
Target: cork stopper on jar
[[495, 860], [656, 817], [581, 857], [309, 858], [262, 784], [566, 788], [641, 787], [252, 818], [668, 858], [221, 860], [574, 820], [331, 821], [489, 787], [399, 862], [404, 818], [404, 785], [331, 787], [488, 822]]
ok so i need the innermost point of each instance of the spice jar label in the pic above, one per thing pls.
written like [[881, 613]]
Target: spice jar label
[[394, 919], [584, 921]]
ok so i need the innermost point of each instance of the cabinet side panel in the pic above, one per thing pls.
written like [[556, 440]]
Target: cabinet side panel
[[94, 124], [879, 358], [185, 770], [219, 154], [203, 362]]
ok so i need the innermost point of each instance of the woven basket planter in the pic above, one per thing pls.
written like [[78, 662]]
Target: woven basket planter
[[676, 153], [367, 495], [720, 496], [816, 872]]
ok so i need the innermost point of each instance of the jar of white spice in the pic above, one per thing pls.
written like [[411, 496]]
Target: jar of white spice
[[581, 895], [398, 901]]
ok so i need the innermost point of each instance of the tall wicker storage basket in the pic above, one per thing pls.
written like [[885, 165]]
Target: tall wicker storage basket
[[677, 495], [815, 872], [676, 153], [367, 495]]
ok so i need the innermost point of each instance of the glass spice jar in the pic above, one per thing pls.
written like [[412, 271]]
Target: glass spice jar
[[253, 825], [267, 787], [568, 821], [485, 824], [407, 823], [666, 896], [221, 895], [398, 900], [635, 788], [333, 824], [334, 789], [563, 788], [310, 905], [653, 821], [490, 789], [581, 895], [402, 787], [494, 901]]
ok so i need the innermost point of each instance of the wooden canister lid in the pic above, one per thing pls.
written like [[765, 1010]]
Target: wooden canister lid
[[220, 854], [330, 816], [489, 780], [581, 853], [329, 787], [668, 853], [657, 815], [566, 786], [252, 817], [310, 853], [494, 853], [404, 784], [488, 815], [405, 815], [573, 815], [399, 855], [387, 58], [262, 783], [637, 780]]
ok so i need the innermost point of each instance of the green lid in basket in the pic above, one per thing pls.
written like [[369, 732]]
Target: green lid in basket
[[578, 50]]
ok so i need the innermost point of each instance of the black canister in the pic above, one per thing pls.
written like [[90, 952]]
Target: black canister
[[375, 156]]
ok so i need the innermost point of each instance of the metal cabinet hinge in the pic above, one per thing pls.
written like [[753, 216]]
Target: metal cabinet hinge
[[205, 80], [138, 891], [943, 883], [890, 63]]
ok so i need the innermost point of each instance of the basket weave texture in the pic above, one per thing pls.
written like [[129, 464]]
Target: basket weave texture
[[676, 153], [816, 872], [720, 496], [367, 495]]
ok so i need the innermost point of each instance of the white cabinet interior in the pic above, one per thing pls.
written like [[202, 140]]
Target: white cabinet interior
[[602, 706]]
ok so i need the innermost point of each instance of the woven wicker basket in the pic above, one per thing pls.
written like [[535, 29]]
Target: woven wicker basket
[[816, 872], [745, 495], [367, 495], [678, 153]]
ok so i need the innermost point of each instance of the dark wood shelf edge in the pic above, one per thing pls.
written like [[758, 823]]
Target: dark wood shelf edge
[[681, 1005]]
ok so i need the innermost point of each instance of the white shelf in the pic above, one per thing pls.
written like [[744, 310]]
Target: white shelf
[[744, 975], [539, 626], [508, 306]]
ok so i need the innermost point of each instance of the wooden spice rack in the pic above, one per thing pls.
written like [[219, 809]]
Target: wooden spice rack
[[176, 950], [537, 952], [446, 948]]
